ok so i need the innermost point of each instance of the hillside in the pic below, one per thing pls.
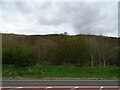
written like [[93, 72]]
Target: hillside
[[57, 49]]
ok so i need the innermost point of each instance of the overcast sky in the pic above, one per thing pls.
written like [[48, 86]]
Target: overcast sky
[[58, 17]]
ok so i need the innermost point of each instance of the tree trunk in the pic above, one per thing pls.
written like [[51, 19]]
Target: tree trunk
[[38, 62], [92, 62], [100, 61], [104, 62]]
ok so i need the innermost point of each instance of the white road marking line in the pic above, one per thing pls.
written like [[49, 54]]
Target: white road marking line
[[19, 87], [76, 87], [48, 87], [102, 87]]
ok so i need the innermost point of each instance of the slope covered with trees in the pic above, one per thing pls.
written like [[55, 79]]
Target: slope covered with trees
[[57, 49]]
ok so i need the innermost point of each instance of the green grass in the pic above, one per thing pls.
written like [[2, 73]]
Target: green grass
[[59, 72]]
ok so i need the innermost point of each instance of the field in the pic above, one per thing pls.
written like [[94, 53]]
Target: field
[[59, 72]]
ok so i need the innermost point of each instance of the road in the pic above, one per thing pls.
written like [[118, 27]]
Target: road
[[42, 83]]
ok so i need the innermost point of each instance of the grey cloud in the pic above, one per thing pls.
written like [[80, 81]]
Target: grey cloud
[[84, 18], [81, 17]]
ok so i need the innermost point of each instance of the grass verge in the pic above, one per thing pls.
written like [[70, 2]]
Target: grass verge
[[59, 72]]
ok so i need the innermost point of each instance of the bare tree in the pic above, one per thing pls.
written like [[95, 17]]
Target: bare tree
[[92, 49]]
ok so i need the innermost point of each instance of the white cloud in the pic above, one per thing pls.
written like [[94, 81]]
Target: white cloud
[[60, 0], [47, 18]]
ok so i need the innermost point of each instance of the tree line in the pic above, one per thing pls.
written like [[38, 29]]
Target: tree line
[[60, 49]]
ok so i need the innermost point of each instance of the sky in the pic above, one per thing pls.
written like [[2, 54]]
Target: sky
[[99, 18]]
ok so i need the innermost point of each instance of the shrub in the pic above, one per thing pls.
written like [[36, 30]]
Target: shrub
[[7, 57], [18, 56]]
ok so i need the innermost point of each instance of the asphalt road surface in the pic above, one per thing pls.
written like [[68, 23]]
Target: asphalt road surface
[[41, 84]]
